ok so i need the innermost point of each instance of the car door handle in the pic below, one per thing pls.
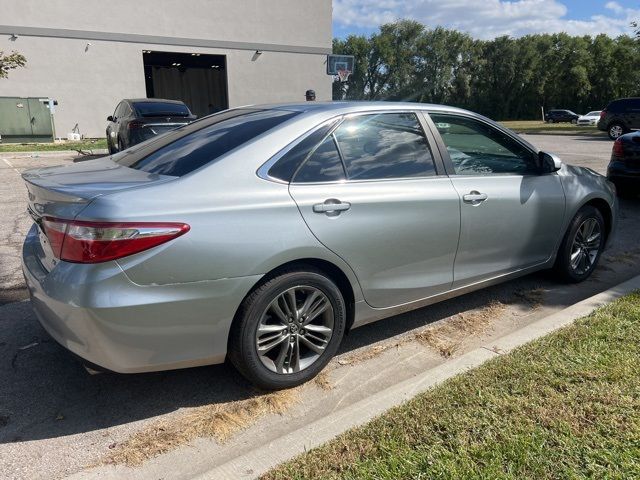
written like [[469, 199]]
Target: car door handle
[[474, 197], [331, 206]]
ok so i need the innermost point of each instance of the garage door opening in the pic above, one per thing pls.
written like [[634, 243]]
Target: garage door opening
[[199, 80]]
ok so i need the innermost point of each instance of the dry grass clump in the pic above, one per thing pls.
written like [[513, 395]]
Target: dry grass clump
[[218, 421], [446, 337], [323, 380]]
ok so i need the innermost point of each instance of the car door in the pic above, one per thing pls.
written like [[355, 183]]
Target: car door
[[371, 193], [511, 212]]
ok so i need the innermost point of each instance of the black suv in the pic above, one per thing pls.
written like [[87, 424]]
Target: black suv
[[620, 117], [137, 120], [557, 116]]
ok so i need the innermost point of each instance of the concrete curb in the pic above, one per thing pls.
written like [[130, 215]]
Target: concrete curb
[[258, 461]]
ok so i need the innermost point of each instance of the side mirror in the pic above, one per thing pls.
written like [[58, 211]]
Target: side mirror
[[110, 118], [549, 162]]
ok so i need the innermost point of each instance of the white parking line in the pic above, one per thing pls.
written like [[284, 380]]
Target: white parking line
[[11, 165]]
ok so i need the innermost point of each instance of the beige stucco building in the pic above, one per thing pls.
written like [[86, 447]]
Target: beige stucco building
[[213, 54]]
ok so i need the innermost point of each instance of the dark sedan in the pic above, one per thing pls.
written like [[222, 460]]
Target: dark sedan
[[137, 120], [624, 167]]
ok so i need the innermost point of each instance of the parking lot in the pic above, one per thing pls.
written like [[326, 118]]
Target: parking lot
[[57, 420]]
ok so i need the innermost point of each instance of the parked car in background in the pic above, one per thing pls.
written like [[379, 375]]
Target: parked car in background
[[558, 116], [137, 120], [262, 234], [589, 119], [620, 117], [624, 167]]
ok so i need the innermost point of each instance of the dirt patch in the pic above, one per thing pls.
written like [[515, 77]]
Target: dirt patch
[[534, 297], [628, 257], [217, 421], [447, 336]]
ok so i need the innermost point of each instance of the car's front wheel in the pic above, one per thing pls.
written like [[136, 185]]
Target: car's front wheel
[[288, 329], [582, 245]]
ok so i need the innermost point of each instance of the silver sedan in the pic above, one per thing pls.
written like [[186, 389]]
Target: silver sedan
[[262, 234]]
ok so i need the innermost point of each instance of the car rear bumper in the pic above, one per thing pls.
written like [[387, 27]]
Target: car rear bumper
[[97, 313], [621, 174]]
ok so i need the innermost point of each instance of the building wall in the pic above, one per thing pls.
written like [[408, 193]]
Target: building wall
[[89, 80]]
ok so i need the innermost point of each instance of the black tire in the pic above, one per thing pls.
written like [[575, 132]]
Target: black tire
[[121, 146], [615, 130], [111, 149], [242, 348], [563, 267]]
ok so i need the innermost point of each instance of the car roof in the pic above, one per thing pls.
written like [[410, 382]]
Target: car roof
[[355, 106], [153, 100]]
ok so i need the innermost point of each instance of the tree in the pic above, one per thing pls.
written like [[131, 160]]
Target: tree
[[503, 78], [9, 62]]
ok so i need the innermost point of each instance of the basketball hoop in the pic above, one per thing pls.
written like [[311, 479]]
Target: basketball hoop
[[343, 75]]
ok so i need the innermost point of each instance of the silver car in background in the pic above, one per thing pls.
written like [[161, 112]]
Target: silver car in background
[[262, 234]]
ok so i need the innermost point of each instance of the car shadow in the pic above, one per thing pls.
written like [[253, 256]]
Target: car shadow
[[46, 393]]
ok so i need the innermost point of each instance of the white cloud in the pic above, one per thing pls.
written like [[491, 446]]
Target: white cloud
[[485, 18]]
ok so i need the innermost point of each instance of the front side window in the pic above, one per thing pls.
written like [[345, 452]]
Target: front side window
[[387, 145], [202, 142], [477, 148]]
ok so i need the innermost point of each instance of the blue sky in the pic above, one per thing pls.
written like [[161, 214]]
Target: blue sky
[[490, 18]]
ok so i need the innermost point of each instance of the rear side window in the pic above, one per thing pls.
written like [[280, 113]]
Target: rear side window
[[387, 145], [204, 141], [160, 109], [284, 168], [323, 165]]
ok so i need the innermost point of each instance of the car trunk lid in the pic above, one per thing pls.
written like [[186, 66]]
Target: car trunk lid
[[64, 191]]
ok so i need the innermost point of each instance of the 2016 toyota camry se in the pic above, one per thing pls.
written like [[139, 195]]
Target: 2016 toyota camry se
[[262, 234]]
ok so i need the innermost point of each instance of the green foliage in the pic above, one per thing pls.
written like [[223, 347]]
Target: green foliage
[[504, 78], [9, 62]]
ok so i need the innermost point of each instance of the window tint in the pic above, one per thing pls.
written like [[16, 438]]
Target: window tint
[[389, 145], [203, 142], [291, 161], [324, 164], [161, 109], [476, 148]]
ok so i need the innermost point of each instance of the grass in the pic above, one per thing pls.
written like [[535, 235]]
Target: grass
[[538, 126], [564, 406], [84, 145]]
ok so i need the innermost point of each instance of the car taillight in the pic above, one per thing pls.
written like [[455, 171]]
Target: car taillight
[[603, 113], [618, 148], [133, 125], [95, 242]]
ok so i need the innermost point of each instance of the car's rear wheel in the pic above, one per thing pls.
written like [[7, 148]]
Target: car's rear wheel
[[615, 130], [287, 329], [121, 146], [582, 245]]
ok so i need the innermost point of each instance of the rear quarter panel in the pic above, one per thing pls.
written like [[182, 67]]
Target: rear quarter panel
[[241, 225]]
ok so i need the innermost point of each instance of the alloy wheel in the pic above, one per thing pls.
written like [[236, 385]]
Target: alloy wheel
[[294, 329], [586, 246], [615, 131]]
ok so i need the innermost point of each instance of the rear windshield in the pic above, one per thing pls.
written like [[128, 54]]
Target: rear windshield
[[202, 142], [159, 109]]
